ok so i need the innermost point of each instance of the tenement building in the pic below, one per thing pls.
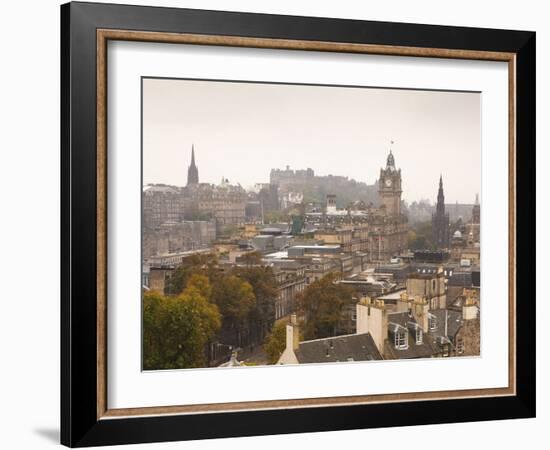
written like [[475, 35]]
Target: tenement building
[[440, 220], [161, 203]]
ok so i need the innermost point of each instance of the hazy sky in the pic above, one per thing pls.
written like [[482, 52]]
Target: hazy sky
[[242, 130]]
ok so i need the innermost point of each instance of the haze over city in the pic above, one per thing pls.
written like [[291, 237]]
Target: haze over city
[[241, 131]]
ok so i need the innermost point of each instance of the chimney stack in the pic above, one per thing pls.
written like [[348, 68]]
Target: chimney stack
[[293, 333]]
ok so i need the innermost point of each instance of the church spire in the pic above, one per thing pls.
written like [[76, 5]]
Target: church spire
[[192, 171], [440, 196], [440, 220]]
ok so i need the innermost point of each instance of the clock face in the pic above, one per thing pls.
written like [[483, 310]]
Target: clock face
[[388, 182]]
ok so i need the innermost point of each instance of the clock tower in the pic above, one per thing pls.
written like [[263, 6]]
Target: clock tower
[[389, 187]]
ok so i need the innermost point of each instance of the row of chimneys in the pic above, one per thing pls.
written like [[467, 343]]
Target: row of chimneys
[[372, 317]]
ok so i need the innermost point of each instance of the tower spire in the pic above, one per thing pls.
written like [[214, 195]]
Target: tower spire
[[440, 219], [192, 171]]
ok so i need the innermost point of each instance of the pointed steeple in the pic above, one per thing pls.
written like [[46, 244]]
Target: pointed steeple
[[440, 197], [440, 220], [390, 162], [192, 171]]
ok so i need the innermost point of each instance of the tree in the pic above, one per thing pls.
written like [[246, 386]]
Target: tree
[[192, 265], [251, 259], [176, 330], [322, 303], [235, 299], [420, 237], [275, 217], [275, 342], [264, 286]]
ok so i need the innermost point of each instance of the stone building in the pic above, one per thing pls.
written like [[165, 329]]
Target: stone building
[[412, 330], [224, 203], [440, 220], [161, 203], [388, 225], [429, 286], [172, 237], [380, 232], [291, 281]]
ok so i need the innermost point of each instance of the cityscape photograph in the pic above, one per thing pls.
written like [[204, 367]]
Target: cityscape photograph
[[287, 224]]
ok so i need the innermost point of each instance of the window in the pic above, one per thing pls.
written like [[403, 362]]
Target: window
[[400, 339], [433, 285], [460, 346], [418, 336], [432, 320]]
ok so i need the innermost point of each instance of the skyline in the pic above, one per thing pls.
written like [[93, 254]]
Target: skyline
[[333, 130], [247, 188]]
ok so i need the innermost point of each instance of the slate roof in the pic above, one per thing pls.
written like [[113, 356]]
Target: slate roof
[[350, 347], [424, 350], [454, 322]]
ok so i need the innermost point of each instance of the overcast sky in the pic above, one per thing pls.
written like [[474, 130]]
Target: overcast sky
[[242, 130]]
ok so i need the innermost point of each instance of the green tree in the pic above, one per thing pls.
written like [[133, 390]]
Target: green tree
[[420, 237], [275, 217], [264, 286], [322, 303], [275, 342], [251, 259], [192, 265], [234, 297], [176, 330]]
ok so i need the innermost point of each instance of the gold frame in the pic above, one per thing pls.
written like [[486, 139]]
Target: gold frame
[[104, 35]]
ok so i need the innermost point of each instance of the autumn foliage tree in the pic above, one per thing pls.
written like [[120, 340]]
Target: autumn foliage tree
[[235, 300], [192, 265], [321, 304], [176, 329], [245, 294], [264, 285]]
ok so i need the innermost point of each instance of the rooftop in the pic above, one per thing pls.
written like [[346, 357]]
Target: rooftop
[[351, 347]]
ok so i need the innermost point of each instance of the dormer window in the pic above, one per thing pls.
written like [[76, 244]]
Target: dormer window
[[432, 322], [418, 336], [460, 346], [400, 339]]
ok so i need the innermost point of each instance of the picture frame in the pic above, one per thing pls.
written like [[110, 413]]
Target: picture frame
[[86, 418]]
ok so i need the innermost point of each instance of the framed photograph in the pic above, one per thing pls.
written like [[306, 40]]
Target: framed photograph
[[277, 224]]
